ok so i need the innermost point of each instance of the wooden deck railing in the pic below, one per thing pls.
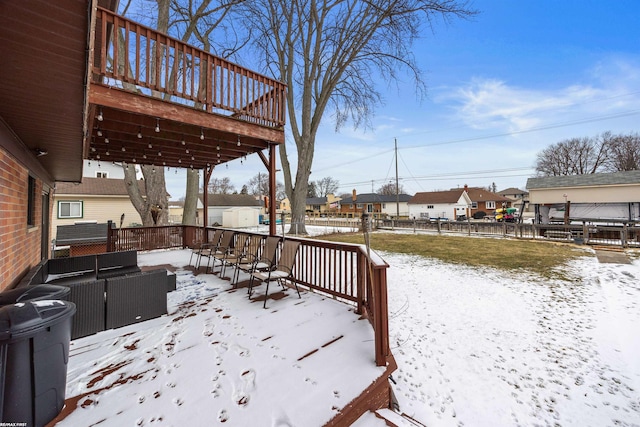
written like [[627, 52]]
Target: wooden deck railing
[[343, 271], [135, 57]]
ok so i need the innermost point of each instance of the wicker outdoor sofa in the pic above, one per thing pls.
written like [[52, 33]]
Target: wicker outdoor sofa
[[109, 290]]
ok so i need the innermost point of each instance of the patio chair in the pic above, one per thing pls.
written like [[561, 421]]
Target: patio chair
[[225, 245], [266, 260], [282, 270], [206, 248], [250, 257], [232, 254]]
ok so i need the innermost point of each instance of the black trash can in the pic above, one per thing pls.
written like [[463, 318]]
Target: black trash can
[[34, 293], [34, 351]]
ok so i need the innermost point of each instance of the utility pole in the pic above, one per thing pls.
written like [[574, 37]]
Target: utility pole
[[395, 141]]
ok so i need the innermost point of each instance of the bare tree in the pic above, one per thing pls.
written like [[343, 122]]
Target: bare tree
[[624, 153], [312, 190], [190, 203], [327, 185], [221, 186], [574, 156], [258, 185], [154, 206], [331, 53], [389, 189]]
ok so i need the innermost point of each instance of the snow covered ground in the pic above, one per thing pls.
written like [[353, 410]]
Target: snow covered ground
[[481, 347]]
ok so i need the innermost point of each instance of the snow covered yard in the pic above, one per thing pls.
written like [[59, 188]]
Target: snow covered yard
[[481, 347]]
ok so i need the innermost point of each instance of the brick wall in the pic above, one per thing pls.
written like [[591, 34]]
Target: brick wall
[[20, 243]]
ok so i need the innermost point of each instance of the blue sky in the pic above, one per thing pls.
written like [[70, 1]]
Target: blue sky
[[516, 78]]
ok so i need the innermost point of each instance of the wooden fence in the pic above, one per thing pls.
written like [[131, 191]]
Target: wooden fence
[[623, 235]]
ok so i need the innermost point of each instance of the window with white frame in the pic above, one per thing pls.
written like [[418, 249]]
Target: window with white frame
[[490, 205], [70, 209], [102, 174]]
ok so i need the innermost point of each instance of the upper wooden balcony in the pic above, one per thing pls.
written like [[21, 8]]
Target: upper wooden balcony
[[154, 99], [65, 62]]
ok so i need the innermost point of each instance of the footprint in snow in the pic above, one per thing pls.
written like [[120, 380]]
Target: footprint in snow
[[223, 417]]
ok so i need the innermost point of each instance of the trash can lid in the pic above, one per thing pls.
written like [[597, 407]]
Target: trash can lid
[[27, 319], [35, 292]]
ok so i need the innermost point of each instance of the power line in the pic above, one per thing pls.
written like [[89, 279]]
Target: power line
[[448, 175]]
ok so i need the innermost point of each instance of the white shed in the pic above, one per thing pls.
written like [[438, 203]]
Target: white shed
[[240, 217]]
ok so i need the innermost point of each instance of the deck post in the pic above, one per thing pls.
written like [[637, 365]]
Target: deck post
[[381, 316]]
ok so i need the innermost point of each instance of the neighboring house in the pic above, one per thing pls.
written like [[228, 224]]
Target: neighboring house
[[95, 169], [485, 201], [515, 194], [315, 205], [176, 209], [379, 205], [440, 204], [590, 197], [234, 210], [93, 200]]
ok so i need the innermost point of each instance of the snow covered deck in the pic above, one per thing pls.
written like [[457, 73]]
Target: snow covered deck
[[218, 357]]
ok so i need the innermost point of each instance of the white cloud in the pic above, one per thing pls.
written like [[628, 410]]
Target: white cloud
[[486, 103]]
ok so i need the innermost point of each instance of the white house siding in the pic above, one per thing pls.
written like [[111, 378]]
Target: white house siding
[[439, 210], [391, 208], [587, 194], [98, 209], [91, 168]]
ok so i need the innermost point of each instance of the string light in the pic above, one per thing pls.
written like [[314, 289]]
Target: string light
[[99, 131], [150, 145], [140, 132], [238, 144], [107, 153], [159, 153], [183, 141], [106, 140], [100, 116], [218, 147], [201, 134], [157, 125], [123, 149]]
